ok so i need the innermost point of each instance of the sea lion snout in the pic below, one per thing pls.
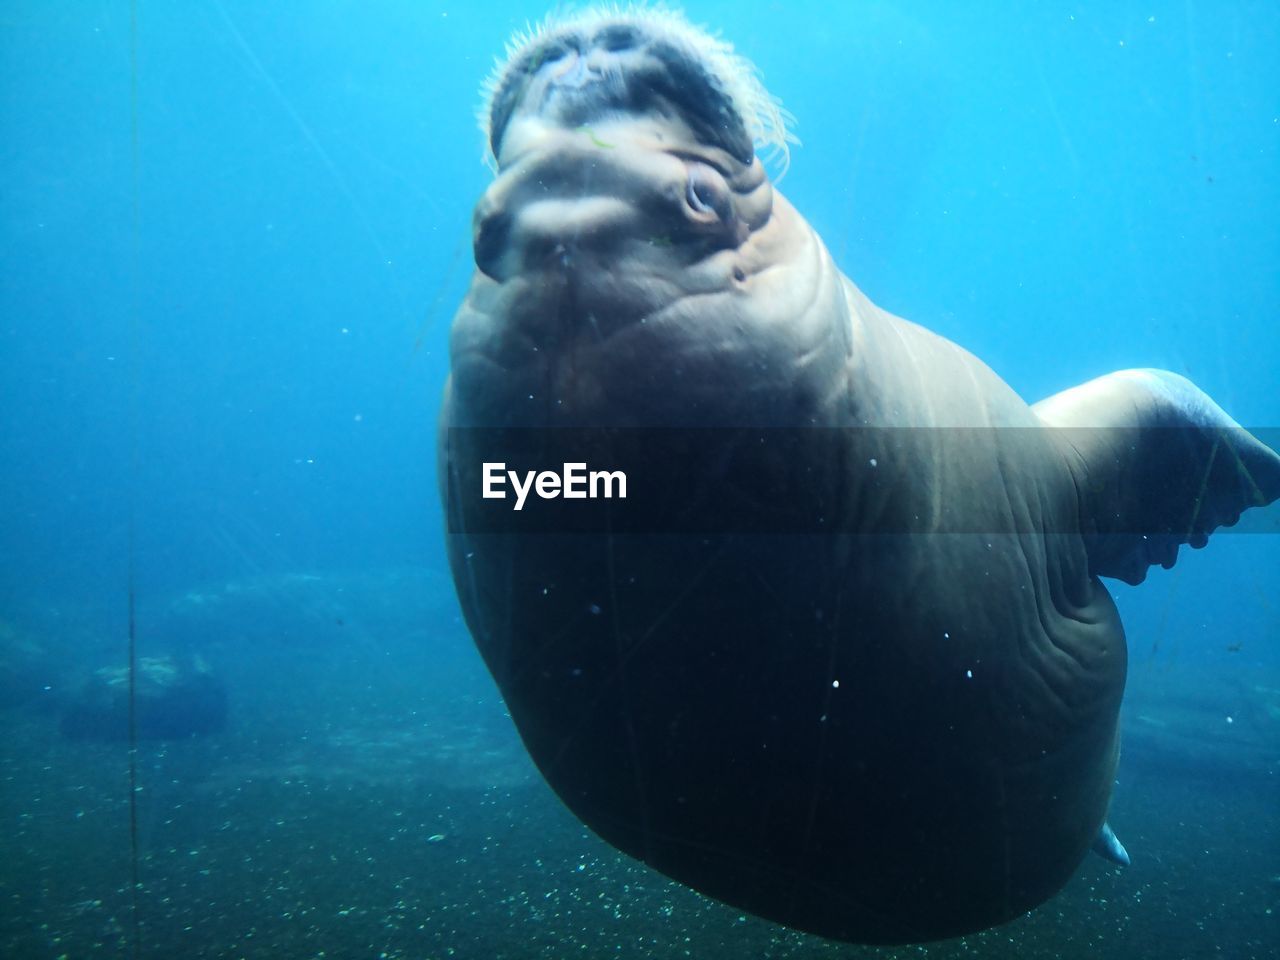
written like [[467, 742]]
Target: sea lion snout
[[576, 61], [576, 77]]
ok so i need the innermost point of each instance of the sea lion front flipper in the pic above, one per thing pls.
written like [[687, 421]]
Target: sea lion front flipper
[[1156, 464]]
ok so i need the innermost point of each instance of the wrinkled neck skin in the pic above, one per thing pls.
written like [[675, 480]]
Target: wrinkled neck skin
[[628, 275]]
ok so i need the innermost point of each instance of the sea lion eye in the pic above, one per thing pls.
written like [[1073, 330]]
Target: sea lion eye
[[699, 196], [704, 191]]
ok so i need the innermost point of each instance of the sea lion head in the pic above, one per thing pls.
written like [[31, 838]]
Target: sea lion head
[[639, 62], [628, 250]]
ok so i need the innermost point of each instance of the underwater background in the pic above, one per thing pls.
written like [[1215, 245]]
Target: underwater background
[[230, 254]]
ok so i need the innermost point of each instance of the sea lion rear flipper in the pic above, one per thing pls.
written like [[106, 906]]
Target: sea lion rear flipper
[[1156, 464], [1108, 846]]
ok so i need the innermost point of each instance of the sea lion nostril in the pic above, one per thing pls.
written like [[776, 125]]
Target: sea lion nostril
[[571, 71], [618, 36]]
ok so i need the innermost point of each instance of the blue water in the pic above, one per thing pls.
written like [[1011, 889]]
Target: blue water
[[224, 300]]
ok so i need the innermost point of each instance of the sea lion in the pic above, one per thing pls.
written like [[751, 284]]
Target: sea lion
[[903, 729]]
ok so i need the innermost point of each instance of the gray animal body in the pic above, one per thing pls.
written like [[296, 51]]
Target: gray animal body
[[903, 730]]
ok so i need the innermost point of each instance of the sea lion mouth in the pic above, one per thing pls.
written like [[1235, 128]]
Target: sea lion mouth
[[606, 65], [576, 79]]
